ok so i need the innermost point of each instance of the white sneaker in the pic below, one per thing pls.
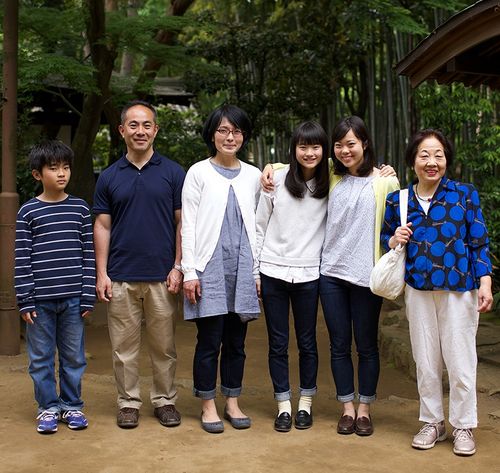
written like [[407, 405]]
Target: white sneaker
[[463, 442], [428, 435]]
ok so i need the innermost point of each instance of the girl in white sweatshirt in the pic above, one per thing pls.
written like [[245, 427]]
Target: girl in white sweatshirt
[[290, 232]]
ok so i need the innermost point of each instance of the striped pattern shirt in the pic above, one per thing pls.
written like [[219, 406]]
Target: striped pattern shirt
[[54, 253]]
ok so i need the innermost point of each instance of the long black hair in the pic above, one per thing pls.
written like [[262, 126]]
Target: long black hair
[[308, 133], [359, 129]]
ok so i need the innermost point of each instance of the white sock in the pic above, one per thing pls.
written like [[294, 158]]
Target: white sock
[[284, 406], [305, 403]]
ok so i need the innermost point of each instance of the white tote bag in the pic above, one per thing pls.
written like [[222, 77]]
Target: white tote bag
[[387, 278]]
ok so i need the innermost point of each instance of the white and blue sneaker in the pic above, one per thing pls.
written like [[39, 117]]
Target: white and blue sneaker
[[76, 420], [47, 422]]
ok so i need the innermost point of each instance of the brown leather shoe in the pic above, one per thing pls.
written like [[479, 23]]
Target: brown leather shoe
[[127, 418], [168, 415], [364, 426], [346, 425]]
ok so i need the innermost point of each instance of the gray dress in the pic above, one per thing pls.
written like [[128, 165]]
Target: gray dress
[[227, 283]]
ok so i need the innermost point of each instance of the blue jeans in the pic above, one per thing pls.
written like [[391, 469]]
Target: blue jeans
[[224, 334], [276, 297], [58, 324], [349, 308]]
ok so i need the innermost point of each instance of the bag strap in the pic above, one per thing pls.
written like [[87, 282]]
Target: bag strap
[[403, 205]]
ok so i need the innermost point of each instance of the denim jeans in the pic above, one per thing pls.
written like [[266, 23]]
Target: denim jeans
[[276, 297], [349, 308], [224, 334], [58, 324]]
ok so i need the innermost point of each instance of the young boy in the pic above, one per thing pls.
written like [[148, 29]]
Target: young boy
[[55, 286]]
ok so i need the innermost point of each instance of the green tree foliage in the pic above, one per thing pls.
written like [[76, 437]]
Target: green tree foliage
[[470, 118], [71, 49]]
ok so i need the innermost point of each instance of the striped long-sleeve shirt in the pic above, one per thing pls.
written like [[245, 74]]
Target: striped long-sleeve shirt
[[54, 253]]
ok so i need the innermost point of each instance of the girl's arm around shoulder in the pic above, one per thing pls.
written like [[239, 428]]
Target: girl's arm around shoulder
[[388, 183]]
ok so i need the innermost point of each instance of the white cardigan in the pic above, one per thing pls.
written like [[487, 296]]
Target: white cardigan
[[204, 202]]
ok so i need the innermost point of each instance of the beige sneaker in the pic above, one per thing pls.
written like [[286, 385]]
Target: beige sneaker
[[428, 435], [463, 442]]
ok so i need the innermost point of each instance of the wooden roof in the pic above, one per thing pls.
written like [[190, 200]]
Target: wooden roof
[[466, 48]]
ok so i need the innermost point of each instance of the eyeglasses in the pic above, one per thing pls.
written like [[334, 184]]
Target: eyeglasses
[[225, 132]]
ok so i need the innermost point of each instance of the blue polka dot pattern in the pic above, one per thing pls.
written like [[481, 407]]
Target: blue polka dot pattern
[[449, 248]]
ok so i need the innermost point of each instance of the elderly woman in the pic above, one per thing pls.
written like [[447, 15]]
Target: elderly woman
[[219, 198], [448, 283]]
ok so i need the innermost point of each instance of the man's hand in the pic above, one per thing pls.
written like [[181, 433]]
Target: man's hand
[[104, 288], [174, 281]]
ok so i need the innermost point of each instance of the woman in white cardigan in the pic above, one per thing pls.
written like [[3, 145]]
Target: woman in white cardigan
[[219, 198]]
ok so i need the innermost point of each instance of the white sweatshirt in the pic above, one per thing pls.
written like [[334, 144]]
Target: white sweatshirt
[[204, 201], [290, 232]]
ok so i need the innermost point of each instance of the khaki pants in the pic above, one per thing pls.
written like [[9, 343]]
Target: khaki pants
[[130, 303], [443, 327]]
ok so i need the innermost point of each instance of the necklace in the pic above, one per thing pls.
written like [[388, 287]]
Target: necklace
[[423, 199]]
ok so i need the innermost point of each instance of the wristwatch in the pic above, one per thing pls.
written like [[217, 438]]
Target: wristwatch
[[178, 267]]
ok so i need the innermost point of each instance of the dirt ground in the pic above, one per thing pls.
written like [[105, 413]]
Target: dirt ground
[[105, 448]]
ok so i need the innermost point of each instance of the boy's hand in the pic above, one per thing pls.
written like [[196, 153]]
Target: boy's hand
[[28, 317], [103, 288], [85, 313]]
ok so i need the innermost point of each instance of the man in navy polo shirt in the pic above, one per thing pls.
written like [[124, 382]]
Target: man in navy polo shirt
[[137, 245]]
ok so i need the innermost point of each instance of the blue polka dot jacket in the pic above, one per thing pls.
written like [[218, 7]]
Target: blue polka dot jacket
[[449, 248]]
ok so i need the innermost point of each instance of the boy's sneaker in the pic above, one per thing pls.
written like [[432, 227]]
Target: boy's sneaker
[[76, 420], [47, 422], [428, 435], [463, 442]]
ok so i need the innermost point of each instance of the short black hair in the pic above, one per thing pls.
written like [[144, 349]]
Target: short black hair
[[358, 127], [308, 133], [49, 152], [235, 115], [419, 136], [134, 103]]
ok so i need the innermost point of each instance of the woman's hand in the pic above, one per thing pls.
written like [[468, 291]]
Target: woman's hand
[[484, 295], [401, 236], [192, 290], [386, 170], [266, 178], [257, 286]]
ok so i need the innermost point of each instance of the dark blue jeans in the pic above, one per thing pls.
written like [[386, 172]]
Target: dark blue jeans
[[276, 297], [349, 308], [224, 334], [58, 324]]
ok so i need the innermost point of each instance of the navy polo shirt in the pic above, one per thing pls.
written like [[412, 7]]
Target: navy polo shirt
[[141, 203]]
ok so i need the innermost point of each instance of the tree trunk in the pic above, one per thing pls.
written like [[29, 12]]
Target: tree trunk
[[103, 58], [153, 64], [127, 58]]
